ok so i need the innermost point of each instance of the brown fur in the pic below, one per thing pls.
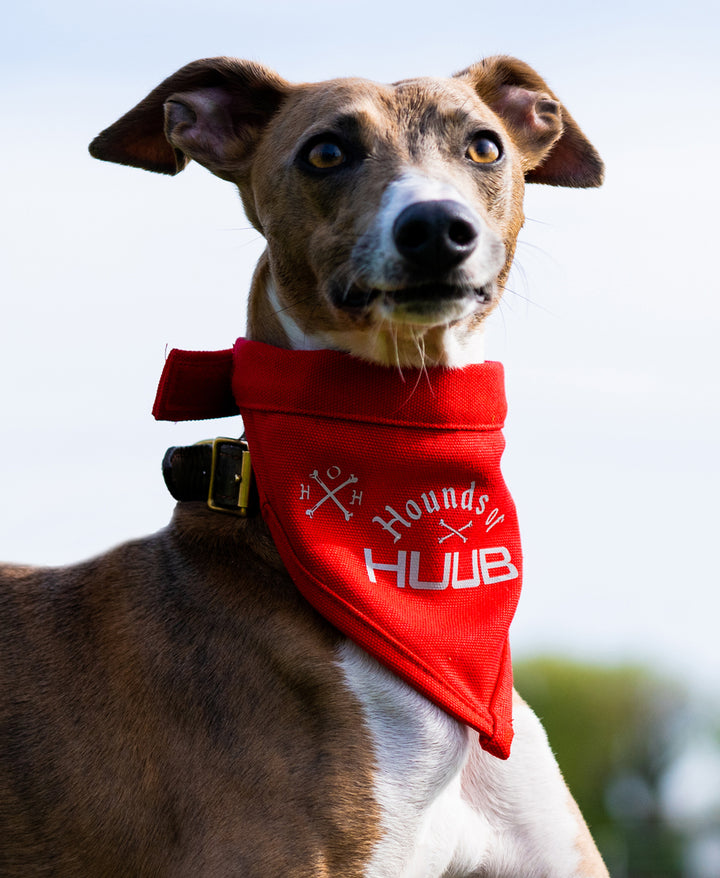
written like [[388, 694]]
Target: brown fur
[[140, 735]]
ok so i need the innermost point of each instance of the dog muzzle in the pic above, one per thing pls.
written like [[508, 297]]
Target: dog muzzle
[[383, 493]]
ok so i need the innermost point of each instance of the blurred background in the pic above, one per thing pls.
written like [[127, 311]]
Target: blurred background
[[608, 331]]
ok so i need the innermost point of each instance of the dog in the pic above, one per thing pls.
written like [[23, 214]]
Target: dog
[[176, 707]]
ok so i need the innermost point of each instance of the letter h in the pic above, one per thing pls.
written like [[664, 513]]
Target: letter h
[[398, 569]]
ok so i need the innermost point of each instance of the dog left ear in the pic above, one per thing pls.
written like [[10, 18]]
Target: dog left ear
[[554, 149], [213, 111]]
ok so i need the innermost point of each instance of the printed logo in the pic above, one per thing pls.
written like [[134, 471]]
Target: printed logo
[[488, 566], [453, 532], [331, 474], [429, 570], [432, 502]]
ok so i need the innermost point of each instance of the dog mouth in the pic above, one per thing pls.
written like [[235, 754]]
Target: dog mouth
[[422, 301]]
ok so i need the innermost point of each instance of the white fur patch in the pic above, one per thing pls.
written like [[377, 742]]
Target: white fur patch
[[420, 753], [449, 809], [299, 339]]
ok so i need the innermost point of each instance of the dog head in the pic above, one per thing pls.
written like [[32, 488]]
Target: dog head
[[391, 212]]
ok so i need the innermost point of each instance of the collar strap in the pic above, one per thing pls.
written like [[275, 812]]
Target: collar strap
[[216, 471], [196, 385]]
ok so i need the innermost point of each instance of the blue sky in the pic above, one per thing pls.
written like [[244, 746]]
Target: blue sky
[[609, 332]]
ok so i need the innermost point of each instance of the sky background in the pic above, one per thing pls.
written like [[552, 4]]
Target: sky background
[[609, 329]]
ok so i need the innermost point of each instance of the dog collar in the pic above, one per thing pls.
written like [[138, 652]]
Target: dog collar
[[383, 493]]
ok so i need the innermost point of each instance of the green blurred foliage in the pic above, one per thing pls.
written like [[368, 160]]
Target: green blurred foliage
[[614, 731]]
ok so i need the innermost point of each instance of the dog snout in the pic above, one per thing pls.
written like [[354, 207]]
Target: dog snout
[[435, 236]]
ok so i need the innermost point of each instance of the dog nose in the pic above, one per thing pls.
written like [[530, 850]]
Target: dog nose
[[435, 235]]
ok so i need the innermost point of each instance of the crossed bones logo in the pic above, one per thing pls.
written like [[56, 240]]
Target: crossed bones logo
[[331, 493], [453, 532]]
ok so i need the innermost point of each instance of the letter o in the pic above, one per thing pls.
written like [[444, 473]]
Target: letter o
[[413, 510]]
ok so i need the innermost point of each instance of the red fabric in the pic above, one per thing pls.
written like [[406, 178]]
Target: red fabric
[[384, 496], [195, 385]]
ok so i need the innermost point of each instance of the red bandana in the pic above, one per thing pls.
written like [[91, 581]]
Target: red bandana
[[384, 496]]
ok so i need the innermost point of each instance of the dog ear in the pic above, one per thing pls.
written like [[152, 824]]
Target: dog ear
[[212, 111], [554, 149]]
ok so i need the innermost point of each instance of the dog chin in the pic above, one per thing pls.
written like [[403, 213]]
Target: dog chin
[[426, 313]]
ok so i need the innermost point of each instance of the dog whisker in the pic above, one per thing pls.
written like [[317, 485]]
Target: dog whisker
[[293, 304], [528, 301], [422, 372]]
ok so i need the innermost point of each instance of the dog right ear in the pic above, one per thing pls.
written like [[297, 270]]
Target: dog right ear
[[553, 148], [213, 111]]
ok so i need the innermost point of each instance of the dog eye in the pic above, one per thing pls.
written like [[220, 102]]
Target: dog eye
[[325, 155], [484, 150]]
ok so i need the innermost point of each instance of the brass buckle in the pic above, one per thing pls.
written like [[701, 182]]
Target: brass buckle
[[242, 479]]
